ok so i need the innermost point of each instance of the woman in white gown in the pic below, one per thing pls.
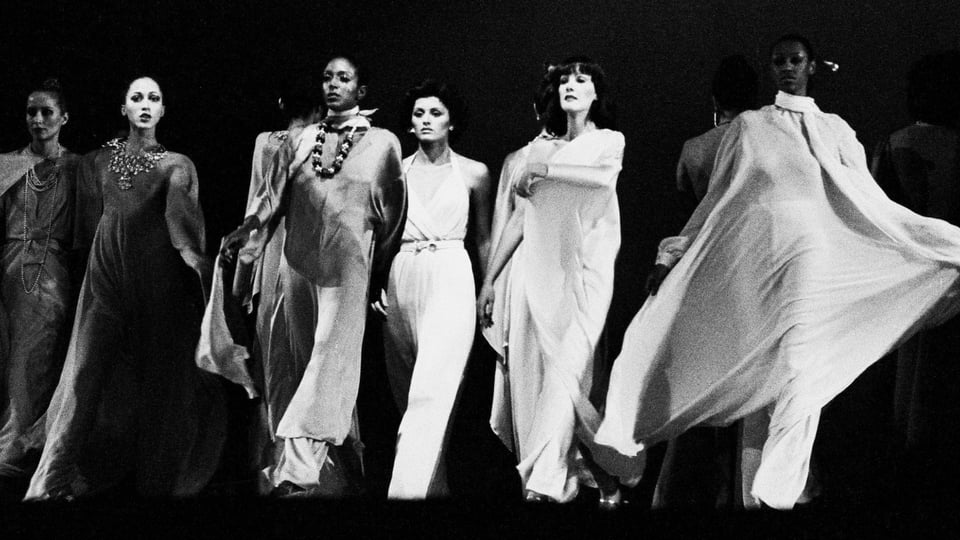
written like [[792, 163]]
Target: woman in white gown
[[562, 241], [430, 295], [794, 274]]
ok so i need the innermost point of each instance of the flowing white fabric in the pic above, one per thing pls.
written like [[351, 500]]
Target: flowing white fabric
[[561, 284], [430, 324], [797, 274]]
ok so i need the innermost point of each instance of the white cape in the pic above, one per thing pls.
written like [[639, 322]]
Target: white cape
[[796, 274]]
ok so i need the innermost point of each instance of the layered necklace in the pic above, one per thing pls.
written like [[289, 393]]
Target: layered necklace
[[50, 180], [342, 152], [130, 165]]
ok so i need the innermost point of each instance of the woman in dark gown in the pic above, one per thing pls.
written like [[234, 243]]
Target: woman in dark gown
[[131, 406], [36, 208]]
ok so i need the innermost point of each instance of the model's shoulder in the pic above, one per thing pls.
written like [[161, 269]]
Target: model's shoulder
[[473, 167], [381, 135]]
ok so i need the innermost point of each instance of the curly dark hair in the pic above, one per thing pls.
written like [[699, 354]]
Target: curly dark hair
[[447, 94], [602, 112]]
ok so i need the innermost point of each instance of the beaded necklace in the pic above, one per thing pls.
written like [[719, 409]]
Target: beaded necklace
[[48, 183], [317, 153], [130, 165]]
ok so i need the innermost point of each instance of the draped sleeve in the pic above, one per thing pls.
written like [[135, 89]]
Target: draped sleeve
[[600, 174], [389, 200], [183, 214], [268, 203]]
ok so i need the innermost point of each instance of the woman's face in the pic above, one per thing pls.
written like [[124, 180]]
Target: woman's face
[[341, 88], [791, 67], [44, 116], [143, 106], [431, 120], [577, 92]]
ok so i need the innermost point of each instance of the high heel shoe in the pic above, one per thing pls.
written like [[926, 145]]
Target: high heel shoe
[[610, 501]]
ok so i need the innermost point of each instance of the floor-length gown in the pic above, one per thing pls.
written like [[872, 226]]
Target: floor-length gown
[[35, 300], [264, 253], [430, 324], [795, 273], [561, 286], [342, 232], [131, 407]]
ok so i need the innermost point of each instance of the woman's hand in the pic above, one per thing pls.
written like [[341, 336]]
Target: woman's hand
[[381, 305], [237, 239], [656, 277], [536, 171], [485, 305]]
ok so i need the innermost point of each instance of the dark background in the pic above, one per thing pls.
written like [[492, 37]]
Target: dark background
[[220, 64]]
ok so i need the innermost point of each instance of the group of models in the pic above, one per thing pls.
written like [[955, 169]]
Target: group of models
[[793, 275]]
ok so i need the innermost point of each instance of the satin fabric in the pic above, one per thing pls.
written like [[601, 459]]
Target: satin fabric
[[341, 235]]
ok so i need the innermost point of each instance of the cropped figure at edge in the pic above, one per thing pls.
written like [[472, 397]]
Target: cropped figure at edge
[[562, 241], [430, 298], [340, 187], [794, 274], [131, 408], [919, 167], [37, 192]]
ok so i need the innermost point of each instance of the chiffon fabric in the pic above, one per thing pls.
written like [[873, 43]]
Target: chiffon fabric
[[35, 324], [431, 320], [341, 235], [561, 285], [795, 273], [514, 166], [264, 253], [131, 407]]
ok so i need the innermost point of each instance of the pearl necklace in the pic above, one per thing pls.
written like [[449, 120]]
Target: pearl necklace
[[46, 245], [130, 165], [317, 153]]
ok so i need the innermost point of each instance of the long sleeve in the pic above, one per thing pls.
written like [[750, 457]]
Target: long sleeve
[[268, 202], [601, 174], [389, 193], [183, 214]]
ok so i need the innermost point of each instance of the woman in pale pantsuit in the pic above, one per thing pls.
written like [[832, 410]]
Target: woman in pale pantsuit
[[430, 295]]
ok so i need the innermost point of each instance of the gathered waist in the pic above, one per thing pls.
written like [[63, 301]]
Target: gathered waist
[[417, 246]]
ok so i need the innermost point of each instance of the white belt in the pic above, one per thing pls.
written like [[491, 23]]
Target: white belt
[[417, 246]]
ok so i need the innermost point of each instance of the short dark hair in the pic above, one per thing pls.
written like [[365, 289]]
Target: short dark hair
[[932, 86], [51, 86], [735, 84], [602, 112], [359, 68], [795, 38], [447, 94]]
